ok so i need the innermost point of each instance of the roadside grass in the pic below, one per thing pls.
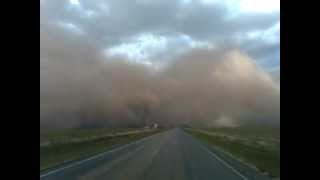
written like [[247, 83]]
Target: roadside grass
[[55, 154], [66, 134], [264, 155], [267, 133]]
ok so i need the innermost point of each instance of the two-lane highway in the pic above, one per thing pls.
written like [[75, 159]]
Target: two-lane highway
[[171, 155]]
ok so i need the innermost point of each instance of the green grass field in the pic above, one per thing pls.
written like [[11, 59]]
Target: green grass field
[[266, 133], [260, 148], [57, 153], [67, 134]]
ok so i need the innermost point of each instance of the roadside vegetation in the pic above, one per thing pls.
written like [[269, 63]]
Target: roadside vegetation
[[67, 145], [72, 135], [258, 147]]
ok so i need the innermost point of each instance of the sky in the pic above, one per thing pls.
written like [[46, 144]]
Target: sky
[[160, 36], [152, 32]]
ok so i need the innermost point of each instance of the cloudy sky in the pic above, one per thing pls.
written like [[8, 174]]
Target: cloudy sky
[[185, 61], [153, 32]]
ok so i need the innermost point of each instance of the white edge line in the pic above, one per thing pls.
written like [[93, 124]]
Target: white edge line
[[225, 163], [222, 161], [93, 157], [244, 163]]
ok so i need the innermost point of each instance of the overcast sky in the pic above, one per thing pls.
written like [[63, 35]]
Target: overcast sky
[[153, 32]]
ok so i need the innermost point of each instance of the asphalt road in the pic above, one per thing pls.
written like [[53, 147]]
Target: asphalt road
[[171, 155]]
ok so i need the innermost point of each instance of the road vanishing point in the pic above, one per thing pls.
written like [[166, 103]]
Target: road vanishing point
[[170, 155]]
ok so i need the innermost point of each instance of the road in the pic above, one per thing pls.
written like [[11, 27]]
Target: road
[[171, 155]]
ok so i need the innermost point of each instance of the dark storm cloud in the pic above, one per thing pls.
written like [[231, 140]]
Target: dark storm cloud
[[267, 55], [111, 22], [81, 86]]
